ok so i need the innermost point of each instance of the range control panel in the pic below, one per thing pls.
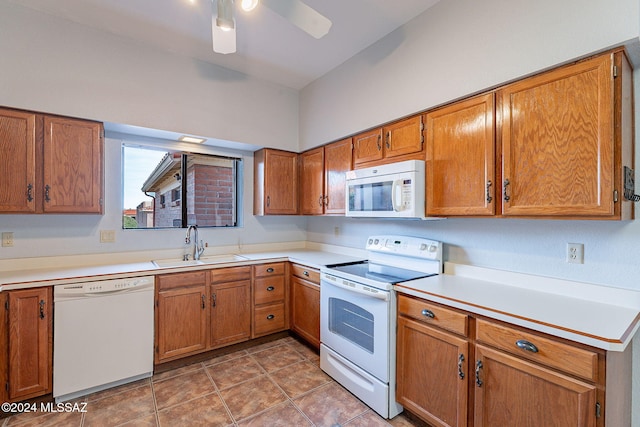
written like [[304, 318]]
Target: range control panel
[[407, 246]]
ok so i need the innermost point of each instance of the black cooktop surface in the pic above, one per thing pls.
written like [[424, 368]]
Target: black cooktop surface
[[379, 272]]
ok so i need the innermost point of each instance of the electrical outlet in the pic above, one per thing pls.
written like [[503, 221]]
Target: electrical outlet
[[107, 236], [575, 253], [7, 239]]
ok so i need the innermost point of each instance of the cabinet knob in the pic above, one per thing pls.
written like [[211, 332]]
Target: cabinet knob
[[428, 313], [270, 288], [306, 273], [269, 270], [270, 317]]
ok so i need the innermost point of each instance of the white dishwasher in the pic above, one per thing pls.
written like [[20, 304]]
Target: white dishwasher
[[102, 335]]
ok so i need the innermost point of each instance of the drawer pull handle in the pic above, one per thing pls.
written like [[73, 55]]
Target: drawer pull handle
[[203, 298], [478, 367], [270, 288], [428, 313], [527, 346], [305, 272], [270, 317], [269, 270], [460, 362]]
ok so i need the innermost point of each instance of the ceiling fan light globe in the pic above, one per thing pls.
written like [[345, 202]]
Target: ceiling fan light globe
[[248, 5]]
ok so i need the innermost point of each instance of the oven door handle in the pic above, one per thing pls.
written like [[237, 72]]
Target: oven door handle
[[381, 295]]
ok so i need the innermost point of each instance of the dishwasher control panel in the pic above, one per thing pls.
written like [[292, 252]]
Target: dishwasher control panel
[[104, 286]]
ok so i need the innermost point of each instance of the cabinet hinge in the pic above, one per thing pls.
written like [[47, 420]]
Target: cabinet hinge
[[352, 146], [615, 71], [615, 196], [100, 201], [598, 410]]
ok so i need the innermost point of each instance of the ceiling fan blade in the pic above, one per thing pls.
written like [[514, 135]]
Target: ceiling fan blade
[[224, 40], [301, 15]]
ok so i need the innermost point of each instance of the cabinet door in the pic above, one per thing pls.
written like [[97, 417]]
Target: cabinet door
[[230, 313], [512, 392], [432, 374], [403, 137], [305, 310], [558, 142], [460, 158], [281, 182], [72, 166], [337, 161], [182, 322], [17, 161], [367, 147], [312, 182], [30, 343]]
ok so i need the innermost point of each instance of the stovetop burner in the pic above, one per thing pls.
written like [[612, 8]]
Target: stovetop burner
[[379, 272]]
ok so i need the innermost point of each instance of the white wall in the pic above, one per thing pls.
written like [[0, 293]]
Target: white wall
[[52, 235], [51, 65], [454, 49]]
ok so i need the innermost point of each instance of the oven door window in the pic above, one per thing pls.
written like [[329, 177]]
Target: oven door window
[[352, 322], [371, 197]]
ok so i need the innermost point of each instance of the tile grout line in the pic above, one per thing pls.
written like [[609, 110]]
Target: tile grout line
[[217, 391]]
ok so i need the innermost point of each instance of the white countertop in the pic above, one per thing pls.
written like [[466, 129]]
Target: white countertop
[[589, 321], [49, 276]]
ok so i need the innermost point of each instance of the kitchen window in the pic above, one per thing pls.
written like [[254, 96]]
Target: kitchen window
[[175, 189]]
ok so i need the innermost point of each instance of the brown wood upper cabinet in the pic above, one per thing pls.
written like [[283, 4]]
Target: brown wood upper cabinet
[[566, 135], [402, 140], [275, 189], [461, 158], [322, 178], [51, 164]]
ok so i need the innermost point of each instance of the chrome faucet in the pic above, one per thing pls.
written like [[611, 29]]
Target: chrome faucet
[[198, 247]]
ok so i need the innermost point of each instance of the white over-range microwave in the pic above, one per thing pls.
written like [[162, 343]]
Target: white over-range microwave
[[395, 190]]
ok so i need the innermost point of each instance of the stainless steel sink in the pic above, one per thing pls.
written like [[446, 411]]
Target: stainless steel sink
[[212, 259]]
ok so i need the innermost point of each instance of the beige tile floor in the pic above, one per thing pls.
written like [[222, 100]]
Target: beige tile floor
[[274, 384]]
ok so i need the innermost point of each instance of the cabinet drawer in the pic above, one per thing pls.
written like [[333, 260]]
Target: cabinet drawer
[[268, 289], [307, 273], [269, 318], [433, 314], [231, 274], [179, 280], [271, 269], [577, 361]]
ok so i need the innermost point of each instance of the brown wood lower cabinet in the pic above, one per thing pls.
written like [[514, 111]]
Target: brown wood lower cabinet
[[432, 365], [305, 303], [201, 310], [485, 373], [230, 306], [270, 296], [28, 334], [181, 315]]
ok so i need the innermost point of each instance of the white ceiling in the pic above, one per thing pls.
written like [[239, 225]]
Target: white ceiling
[[268, 46]]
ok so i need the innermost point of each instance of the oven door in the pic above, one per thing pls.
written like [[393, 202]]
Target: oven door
[[355, 324]]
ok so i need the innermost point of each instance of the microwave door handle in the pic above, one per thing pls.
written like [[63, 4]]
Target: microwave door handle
[[396, 185]]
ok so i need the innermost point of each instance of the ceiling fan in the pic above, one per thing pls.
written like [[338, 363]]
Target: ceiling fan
[[223, 23]]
